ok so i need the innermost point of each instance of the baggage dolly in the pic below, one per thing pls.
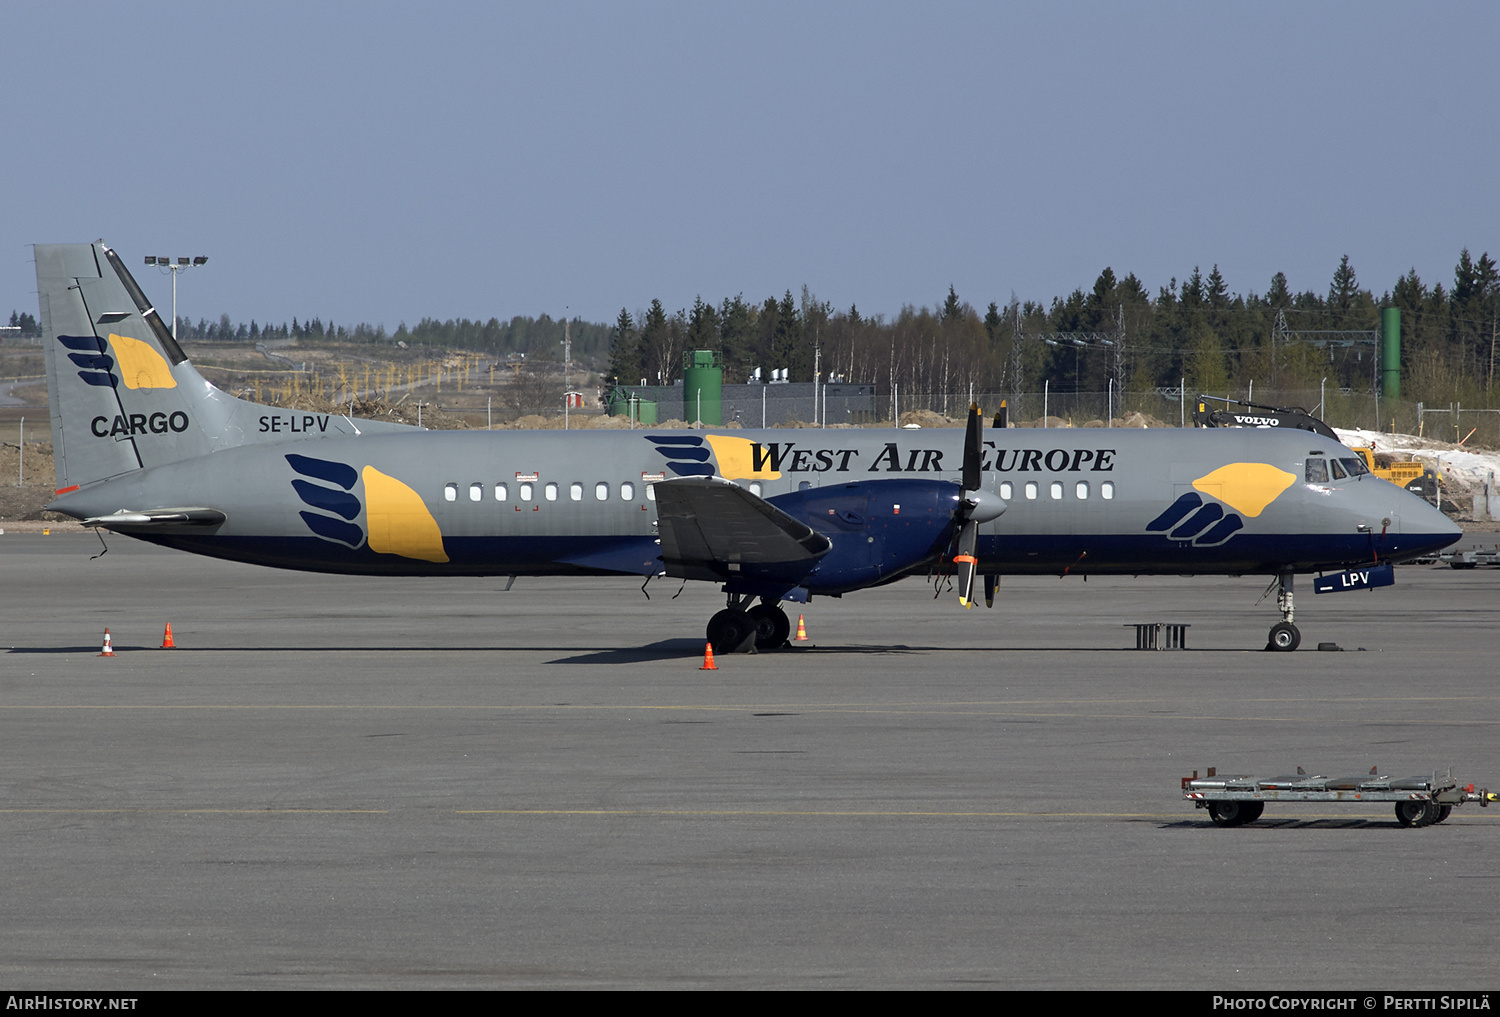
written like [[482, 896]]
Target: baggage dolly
[[1419, 801]]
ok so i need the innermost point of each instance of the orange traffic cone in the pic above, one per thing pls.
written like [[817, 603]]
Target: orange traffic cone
[[801, 631], [166, 640], [108, 651], [708, 658]]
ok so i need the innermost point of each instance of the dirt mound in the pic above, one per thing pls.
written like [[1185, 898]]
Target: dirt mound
[[927, 418], [1140, 420], [402, 411], [25, 501]]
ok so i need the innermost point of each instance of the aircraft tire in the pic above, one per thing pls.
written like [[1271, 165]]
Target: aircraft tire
[[1235, 813], [1418, 814], [772, 626], [731, 631], [1285, 637]]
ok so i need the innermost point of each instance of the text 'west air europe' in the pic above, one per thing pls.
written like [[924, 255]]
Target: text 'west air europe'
[[787, 457]]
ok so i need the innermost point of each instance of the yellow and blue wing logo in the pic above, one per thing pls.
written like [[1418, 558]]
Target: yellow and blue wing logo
[[686, 454], [692, 455], [398, 519], [336, 506], [1200, 517]]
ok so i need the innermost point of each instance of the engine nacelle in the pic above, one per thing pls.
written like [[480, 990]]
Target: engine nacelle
[[880, 529]]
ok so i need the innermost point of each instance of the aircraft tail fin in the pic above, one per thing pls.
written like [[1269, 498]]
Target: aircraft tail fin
[[124, 395]]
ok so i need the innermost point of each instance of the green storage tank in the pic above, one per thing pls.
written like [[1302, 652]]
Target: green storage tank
[[1390, 352], [623, 404], [703, 387]]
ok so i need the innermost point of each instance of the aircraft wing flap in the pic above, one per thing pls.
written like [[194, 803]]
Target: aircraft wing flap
[[710, 527]]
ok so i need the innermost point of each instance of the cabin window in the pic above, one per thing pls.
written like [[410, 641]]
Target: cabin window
[[755, 488], [650, 492], [1081, 489], [627, 491], [1006, 490], [1338, 470], [1317, 471], [450, 492], [1107, 490], [476, 492], [501, 492], [550, 491], [804, 485], [575, 491], [601, 491], [1055, 489], [526, 491], [1031, 490]]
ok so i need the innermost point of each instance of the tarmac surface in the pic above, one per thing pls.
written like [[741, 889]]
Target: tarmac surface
[[356, 783]]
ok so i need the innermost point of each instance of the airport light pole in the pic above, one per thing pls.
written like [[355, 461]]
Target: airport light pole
[[181, 265]]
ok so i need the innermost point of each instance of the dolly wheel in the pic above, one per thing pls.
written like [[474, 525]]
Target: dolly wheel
[[1235, 813], [1418, 813]]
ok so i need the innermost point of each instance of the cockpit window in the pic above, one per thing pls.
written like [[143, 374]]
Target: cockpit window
[[1317, 471], [1339, 472], [1356, 466]]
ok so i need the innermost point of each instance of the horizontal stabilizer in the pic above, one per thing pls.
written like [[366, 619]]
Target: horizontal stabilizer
[[158, 517], [711, 528]]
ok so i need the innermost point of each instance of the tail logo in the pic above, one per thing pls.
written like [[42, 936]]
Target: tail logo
[[399, 521], [138, 364], [86, 352]]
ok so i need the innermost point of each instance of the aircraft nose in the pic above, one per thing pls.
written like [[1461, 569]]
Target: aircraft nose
[[1424, 529]]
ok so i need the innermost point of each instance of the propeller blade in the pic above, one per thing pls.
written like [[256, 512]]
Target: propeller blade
[[973, 449], [968, 564], [976, 506], [991, 584]]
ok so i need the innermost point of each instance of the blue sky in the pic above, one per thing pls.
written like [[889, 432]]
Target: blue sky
[[383, 162]]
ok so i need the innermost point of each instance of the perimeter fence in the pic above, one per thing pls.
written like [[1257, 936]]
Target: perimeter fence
[[835, 406]]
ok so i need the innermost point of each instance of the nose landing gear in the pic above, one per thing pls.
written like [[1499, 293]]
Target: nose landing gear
[[1284, 636]]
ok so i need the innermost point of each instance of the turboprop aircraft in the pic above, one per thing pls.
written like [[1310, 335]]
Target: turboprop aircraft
[[145, 446]]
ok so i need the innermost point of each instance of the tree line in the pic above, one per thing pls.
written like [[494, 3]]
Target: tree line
[[26, 323], [1196, 330], [541, 337]]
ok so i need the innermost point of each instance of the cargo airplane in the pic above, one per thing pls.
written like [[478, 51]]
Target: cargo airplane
[[145, 446]]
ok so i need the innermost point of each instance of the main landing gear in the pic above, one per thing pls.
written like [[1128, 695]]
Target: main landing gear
[[1284, 636], [738, 630]]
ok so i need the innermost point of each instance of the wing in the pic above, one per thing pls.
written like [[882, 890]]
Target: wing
[[711, 529]]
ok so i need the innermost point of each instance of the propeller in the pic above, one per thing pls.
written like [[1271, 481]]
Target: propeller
[[975, 506]]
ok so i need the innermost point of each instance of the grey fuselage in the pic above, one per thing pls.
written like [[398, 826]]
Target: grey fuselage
[[581, 502]]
